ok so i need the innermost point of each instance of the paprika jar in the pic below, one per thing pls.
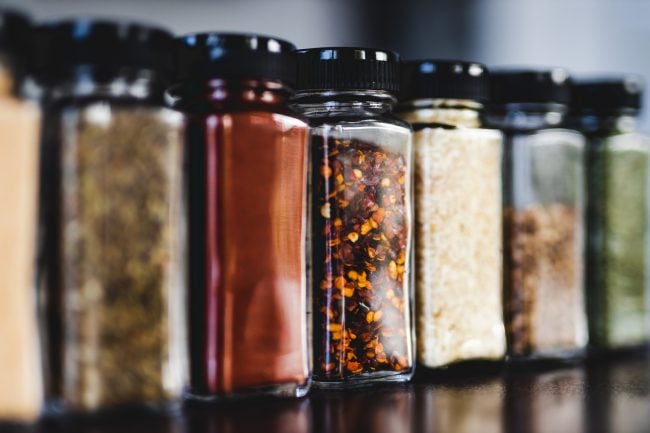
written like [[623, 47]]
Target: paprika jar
[[544, 215], [113, 186], [247, 162], [361, 207], [21, 378], [606, 110], [457, 212]]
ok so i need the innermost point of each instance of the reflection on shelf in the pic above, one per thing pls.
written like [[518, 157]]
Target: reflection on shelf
[[379, 410], [605, 395]]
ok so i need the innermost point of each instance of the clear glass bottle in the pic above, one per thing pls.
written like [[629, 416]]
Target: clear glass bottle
[[544, 214], [458, 212], [360, 216], [113, 185], [21, 387], [606, 111], [247, 160]]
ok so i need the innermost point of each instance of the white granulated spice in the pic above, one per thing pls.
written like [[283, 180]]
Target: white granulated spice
[[458, 245]]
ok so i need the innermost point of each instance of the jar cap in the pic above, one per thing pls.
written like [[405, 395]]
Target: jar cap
[[347, 68], [15, 38], [104, 47], [607, 94], [444, 79], [530, 86], [202, 56]]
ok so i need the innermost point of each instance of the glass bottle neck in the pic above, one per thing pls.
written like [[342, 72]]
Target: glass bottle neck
[[231, 94], [623, 122], [527, 116], [142, 86], [354, 103], [450, 112]]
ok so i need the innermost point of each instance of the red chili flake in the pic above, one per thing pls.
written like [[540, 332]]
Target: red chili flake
[[359, 247]]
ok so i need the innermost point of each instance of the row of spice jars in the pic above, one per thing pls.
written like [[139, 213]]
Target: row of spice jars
[[572, 165], [282, 161]]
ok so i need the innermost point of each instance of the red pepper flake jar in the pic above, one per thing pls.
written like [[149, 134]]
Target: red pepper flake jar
[[361, 216], [247, 161]]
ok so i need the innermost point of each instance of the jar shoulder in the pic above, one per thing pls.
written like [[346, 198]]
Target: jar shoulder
[[623, 142], [386, 121], [280, 117], [547, 136], [106, 111]]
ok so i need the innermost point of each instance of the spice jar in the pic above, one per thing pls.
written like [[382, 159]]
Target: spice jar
[[605, 110], [114, 214], [247, 156], [360, 198], [20, 362], [544, 214], [457, 212]]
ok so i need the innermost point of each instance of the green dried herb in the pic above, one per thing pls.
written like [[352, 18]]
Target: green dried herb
[[617, 253], [121, 256]]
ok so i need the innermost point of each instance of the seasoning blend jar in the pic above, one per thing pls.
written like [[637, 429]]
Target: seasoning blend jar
[[544, 211], [618, 220], [247, 156], [21, 390], [113, 162], [457, 211], [360, 216]]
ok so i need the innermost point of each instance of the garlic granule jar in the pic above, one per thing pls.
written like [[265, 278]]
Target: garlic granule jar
[[458, 213]]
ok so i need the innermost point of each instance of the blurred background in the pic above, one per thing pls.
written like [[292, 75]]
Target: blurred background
[[586, 36]]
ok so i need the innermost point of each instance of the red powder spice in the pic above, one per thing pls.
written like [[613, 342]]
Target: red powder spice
[[247, 270]]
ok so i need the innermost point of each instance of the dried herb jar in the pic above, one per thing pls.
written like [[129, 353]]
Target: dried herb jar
[[21, 387], [113, 163], [247, 161], [544, 215], [361, 223], [457, 212], [606, 110]]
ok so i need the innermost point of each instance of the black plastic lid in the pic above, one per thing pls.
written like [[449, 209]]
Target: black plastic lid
[[203, 56], [607, 94], [347, 68], [530, 86], [103, 47], [15, 39], [444, 79]]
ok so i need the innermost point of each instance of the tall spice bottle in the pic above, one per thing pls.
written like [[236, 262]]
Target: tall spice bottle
[[606, 111], [361, 216], [21, 389], [458, 212], [113, 163], [247, 161], [544, 215]]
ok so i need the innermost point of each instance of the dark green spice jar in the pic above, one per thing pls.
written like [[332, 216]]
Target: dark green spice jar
[[617, 248]]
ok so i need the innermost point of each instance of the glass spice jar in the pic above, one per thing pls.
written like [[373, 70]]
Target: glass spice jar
[[606, 110], [113, 186], [247, 156], [21, 379], [544, 215], [457, 212], [361, 203]]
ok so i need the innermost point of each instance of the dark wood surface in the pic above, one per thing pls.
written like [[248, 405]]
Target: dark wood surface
[[601, 394]]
